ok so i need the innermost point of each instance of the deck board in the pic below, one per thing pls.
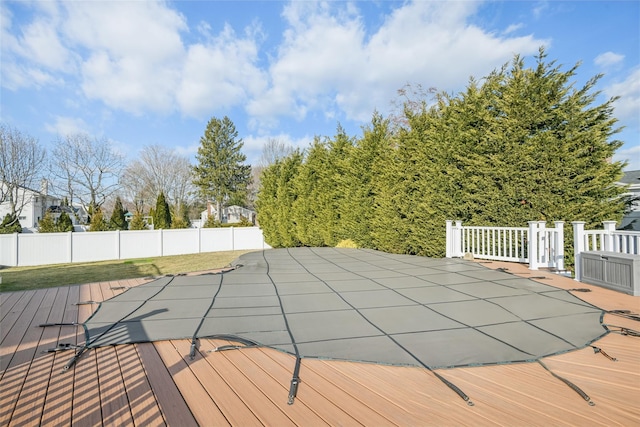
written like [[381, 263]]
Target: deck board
[[171, 404], [155, 384]]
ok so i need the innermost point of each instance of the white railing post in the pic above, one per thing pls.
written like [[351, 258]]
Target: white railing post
[[457, 239], [543, 245], [578, 246], [609, 228], [453, 245], [533, 245], [449, 236], [559, 245]]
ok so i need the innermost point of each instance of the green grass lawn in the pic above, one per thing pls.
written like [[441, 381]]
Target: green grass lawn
[[47, 276]]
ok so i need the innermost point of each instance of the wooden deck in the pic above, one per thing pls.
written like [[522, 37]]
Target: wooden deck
[[156, 384]]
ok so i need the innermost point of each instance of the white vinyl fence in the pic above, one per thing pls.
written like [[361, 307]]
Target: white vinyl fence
[[57, 248]]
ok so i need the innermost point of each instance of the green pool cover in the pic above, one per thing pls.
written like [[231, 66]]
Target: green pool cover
[[356, 305]]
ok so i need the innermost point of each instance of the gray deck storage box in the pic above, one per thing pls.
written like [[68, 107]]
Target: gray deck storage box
[[620, 272]]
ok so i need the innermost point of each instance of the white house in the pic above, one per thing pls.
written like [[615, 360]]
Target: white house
[[631, 221], [35, 204], [230, 214]]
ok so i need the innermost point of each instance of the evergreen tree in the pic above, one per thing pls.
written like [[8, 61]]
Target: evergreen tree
[[364, 164], [162, 214], [212, 222], [310, 186], [98, 223], [221, 174], [118, 220], [64, 223], [180, 217], [137, 222], [47, 224], [10, 225]]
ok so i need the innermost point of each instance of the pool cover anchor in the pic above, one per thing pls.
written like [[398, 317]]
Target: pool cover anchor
[[295, 382], [602, 352], [571, 385]]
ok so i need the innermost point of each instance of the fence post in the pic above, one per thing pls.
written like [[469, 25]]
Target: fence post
[[233, 240], [578, 246], [16, 249], [70, 247], [457, 239], [559, 245], [609, 228], [533, 245], [117, 239], [449, 237]]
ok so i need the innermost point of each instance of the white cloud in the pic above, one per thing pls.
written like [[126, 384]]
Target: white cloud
[[66, 126], [627, 108], [608, 59], [219, 74], [253, 144], [629, 154], [31, 52], [327, 63], [134, 52], [513, 28]]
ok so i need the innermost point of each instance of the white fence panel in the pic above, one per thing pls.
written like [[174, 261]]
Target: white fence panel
[[38, 249], [8, 249], [140, 244], [178, 242], [55, 248], [216, 239], [96, 246], [246, 238]]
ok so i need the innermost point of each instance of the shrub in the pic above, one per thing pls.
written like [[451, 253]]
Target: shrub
[[347, 243]]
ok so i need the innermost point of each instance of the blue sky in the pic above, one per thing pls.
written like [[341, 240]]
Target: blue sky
[[154, 72]]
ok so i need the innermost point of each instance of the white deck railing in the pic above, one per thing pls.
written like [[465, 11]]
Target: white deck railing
[[509, 243], [607, 240]]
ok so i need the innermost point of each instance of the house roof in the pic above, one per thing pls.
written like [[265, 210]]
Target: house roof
[[631, 177]]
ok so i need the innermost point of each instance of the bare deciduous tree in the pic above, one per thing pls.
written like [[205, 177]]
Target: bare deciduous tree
[[21, 167], [272, 151], [159, 169], [86, 169]]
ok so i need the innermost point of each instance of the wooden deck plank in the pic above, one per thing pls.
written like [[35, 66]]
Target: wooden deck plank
[[143, 405], [381, 389], [34, 391], [56, 408], [281, 365], [17, 321], [342, 393], [7, 301], [202, 406], [85, 405], [261, 378], [113, 396], [259, 403], [233, 408], [151, 387], [19, 350], [172, 405]]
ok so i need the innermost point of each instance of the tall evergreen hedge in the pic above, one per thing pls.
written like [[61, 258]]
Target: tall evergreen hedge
[[522, 144]]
